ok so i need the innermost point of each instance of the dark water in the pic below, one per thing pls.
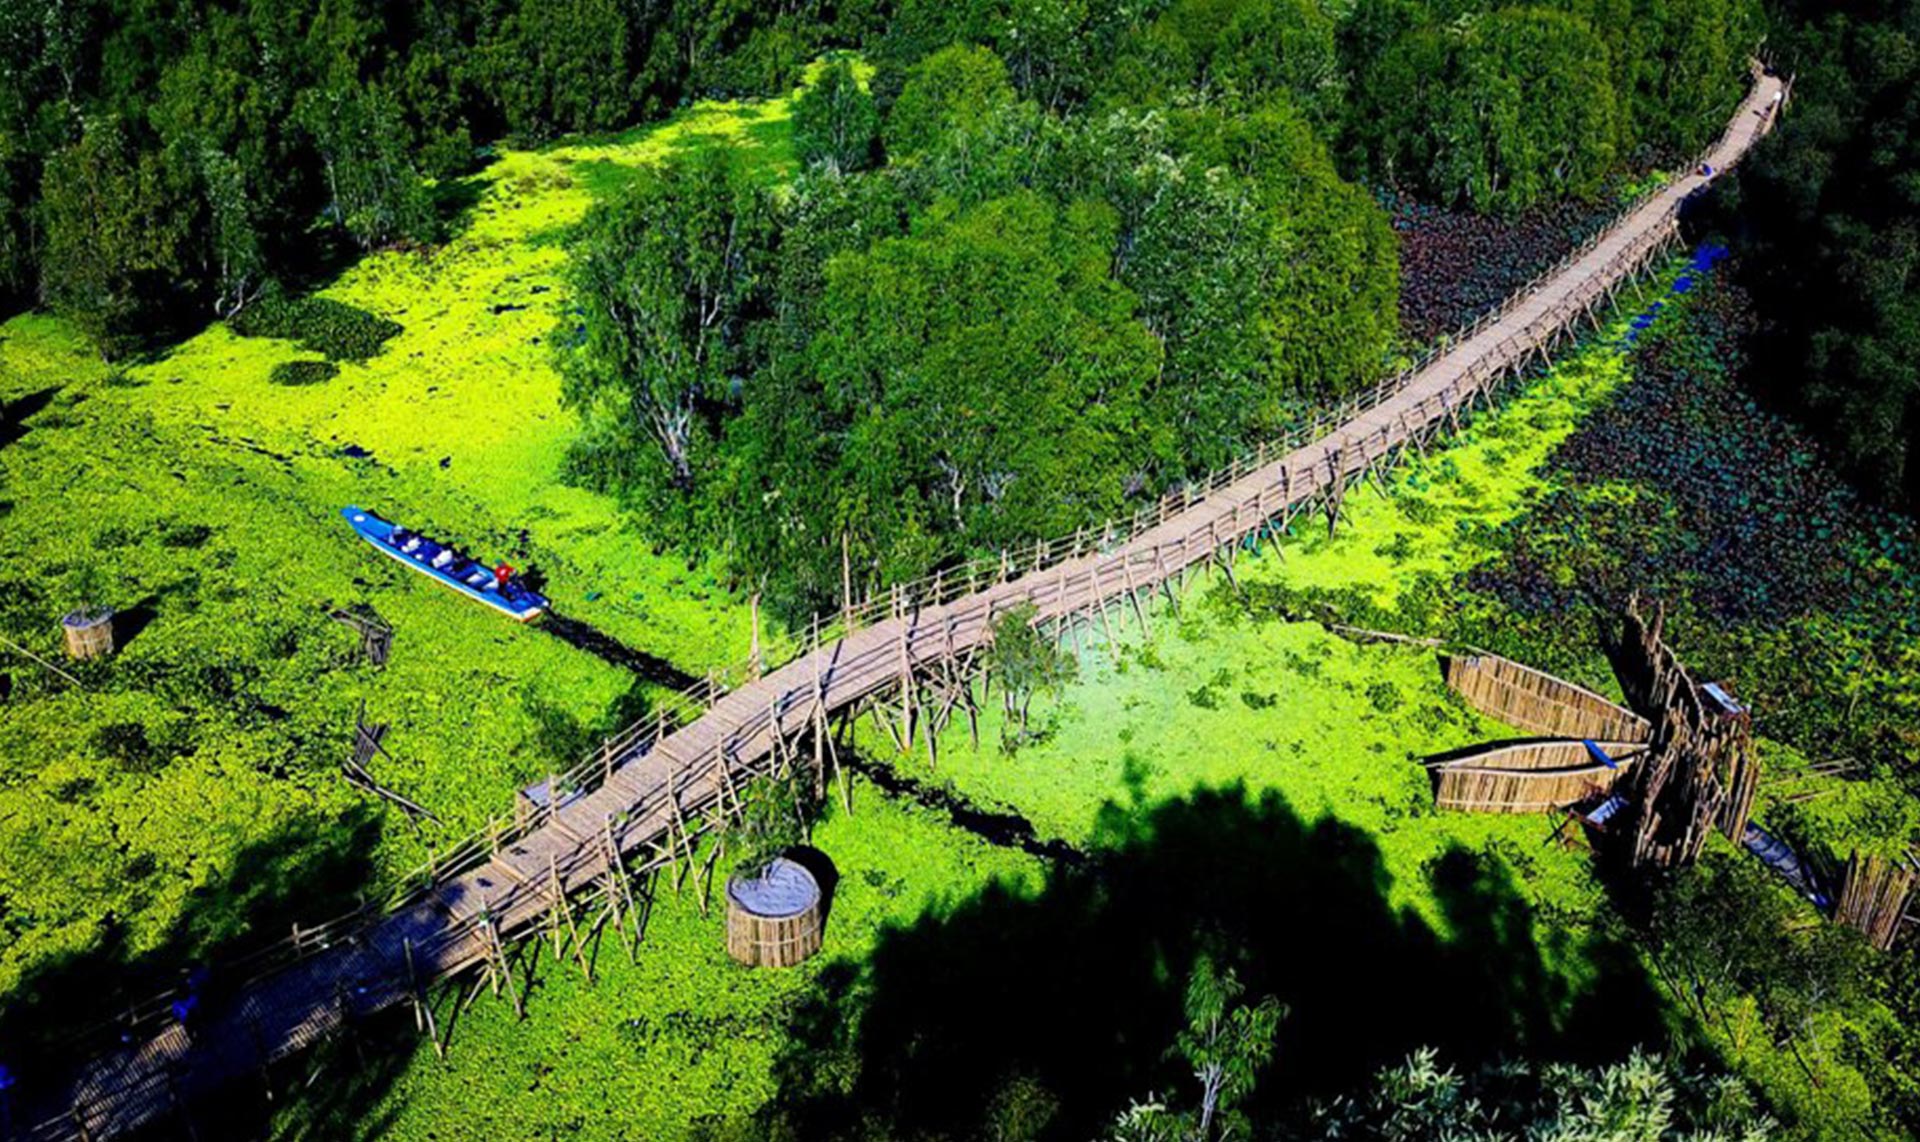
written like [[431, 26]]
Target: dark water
[[1008, 830], [611, 650]]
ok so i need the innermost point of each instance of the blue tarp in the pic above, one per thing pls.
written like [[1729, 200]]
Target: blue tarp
[[1779, 856]]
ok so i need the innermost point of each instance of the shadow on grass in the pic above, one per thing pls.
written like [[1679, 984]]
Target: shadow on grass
[[1078, 986], [75, 1009], [14, 414], [454, 201]]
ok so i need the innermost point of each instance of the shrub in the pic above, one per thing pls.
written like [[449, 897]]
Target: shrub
[[293, 374], [320, 324]]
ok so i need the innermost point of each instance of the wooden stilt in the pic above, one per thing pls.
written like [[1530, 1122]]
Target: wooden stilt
[[422, 1008]]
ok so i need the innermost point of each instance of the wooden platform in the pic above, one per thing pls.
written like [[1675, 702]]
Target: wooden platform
[[647, 787]]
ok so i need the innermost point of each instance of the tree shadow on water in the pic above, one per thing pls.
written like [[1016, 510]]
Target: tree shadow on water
[[1078, 986]]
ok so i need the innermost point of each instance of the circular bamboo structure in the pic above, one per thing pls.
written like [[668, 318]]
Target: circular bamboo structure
[[89, 633], [774, 919]]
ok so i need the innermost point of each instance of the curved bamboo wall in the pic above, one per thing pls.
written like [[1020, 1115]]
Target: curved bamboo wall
[[1539, 703], [1528, 777], [1520, 790]]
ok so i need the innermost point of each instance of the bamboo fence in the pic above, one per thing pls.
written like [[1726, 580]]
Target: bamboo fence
[[1529, 777], [1530, 700], [1874, 897]]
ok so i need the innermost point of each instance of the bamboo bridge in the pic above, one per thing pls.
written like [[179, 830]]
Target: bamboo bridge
[[635, 804]]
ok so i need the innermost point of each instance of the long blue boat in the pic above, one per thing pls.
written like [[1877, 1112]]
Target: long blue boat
[[495, 587]]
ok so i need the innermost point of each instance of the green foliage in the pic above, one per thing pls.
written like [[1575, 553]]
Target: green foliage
[[1001, 325], [1227, 1044], [115, 235], [1500, 111], [191, 148], [239, 255], [1727, 932], [1833, 204], [296, 373], [773, 819], [1236, 50], [1645, 1098], [374, 191], [1502, 106], [561, 65], [835, 122], [340, 331], [667, 278], [1023, 661], [953, 92]]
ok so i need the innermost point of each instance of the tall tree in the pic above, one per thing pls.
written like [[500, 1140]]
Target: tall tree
[[376, 193], [1498, 111], [1830, 210], [116, 228], [988, 373], [667, 279], [955, 90], [835, 122], [239, 263]]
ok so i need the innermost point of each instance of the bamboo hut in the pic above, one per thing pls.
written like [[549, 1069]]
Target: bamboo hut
[[1702, 772], [89, 632]]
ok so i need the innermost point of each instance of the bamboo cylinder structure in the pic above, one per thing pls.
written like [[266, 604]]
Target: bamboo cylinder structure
[[89, 633], [775, 919]]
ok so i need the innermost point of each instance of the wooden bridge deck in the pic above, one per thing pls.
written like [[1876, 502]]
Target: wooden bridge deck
[[650, 785]]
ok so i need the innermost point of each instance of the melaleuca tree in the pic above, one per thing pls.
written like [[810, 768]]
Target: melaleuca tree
[[953, 91], [835, 123], [1023, 662], [1829, 210], [1498, 111], [667, 279], [556, 66], [778, 516], [1234, 49], [117, 225], [16, 234], [772, 819], [1328, 261], [1227, 1043], [983, 378], [374, 191], [239, 263]]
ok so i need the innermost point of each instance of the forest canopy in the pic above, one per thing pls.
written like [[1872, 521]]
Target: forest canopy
[[1044, 260], [1829, 217]]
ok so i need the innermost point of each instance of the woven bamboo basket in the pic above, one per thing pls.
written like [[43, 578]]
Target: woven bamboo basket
[[89, 633], [774, 919]]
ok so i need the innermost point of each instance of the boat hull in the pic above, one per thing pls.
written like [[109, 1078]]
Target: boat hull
[[518, 604]]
